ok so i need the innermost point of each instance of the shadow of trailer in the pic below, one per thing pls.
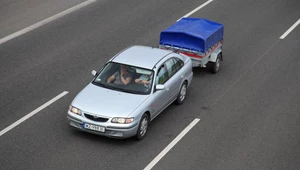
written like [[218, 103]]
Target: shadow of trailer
[[198, 38]]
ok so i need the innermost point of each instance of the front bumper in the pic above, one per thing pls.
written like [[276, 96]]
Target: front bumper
[[111, 130]]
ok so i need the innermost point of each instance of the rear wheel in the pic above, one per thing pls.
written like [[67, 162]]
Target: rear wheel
[[216, 65], [143, 127], [182, 93]]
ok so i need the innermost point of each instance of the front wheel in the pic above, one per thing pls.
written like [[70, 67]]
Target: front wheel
[[143, 127], [216, 65]]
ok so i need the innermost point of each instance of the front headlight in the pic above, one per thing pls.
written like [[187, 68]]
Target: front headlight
[[74, 110], [122, 120]]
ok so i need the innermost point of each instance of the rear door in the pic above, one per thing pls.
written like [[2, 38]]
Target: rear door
[[175, 76]]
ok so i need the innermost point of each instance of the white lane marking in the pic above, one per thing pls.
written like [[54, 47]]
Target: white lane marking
[[45, 21], [240, 77], [196, 9], [290, 29], [173, 143], [2, 132]]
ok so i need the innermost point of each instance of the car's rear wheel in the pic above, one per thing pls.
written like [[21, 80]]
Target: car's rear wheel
[[182, 94], [143, 127]]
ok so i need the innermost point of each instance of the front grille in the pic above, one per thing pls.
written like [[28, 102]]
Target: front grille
[[98, 119]]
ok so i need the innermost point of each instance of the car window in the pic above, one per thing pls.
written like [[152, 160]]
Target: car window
[[178, 63], [173, 65], [169, 64], [168, 69], [162, 75]]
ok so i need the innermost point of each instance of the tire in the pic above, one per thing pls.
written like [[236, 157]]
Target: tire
[[216, 65], [182, 94], [143, 127]]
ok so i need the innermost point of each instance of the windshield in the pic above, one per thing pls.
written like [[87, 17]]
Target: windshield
[[125, 78]]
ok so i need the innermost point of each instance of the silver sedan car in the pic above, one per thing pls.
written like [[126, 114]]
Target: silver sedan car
[[130, 90]]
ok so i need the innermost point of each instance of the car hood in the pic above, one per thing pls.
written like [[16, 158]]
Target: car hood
[[106, 102]]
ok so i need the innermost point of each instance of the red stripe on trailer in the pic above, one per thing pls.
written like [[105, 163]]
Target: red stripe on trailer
[[191, 55], [199, 56]]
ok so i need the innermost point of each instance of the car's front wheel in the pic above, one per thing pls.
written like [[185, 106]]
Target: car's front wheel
[[143, 127]]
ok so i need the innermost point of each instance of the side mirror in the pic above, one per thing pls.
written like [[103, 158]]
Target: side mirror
[[94, 73], [160, 87]]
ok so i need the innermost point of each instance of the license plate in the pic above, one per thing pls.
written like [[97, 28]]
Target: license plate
[[94, 127]]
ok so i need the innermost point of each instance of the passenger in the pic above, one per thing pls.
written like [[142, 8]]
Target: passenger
[[122, 76], [144, 79]]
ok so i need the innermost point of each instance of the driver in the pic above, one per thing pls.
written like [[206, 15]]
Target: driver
[[122, 76]]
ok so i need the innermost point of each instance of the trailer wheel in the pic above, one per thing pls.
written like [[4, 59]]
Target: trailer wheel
[[216, 65]]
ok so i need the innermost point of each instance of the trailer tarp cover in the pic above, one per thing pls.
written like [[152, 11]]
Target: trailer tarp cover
[[195, 34]]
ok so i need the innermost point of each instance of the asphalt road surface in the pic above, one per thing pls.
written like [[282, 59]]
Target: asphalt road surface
[[18, 14], [249, 112]]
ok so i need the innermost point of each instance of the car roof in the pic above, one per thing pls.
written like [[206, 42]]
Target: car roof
[[141, 56]]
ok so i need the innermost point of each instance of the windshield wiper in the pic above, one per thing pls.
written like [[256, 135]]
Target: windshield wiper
[[132, 91]]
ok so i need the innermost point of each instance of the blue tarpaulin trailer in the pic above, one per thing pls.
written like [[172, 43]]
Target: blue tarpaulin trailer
[[198, 38]]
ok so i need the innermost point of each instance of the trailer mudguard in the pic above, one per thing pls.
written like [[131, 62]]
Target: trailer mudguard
[[214, 54]]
